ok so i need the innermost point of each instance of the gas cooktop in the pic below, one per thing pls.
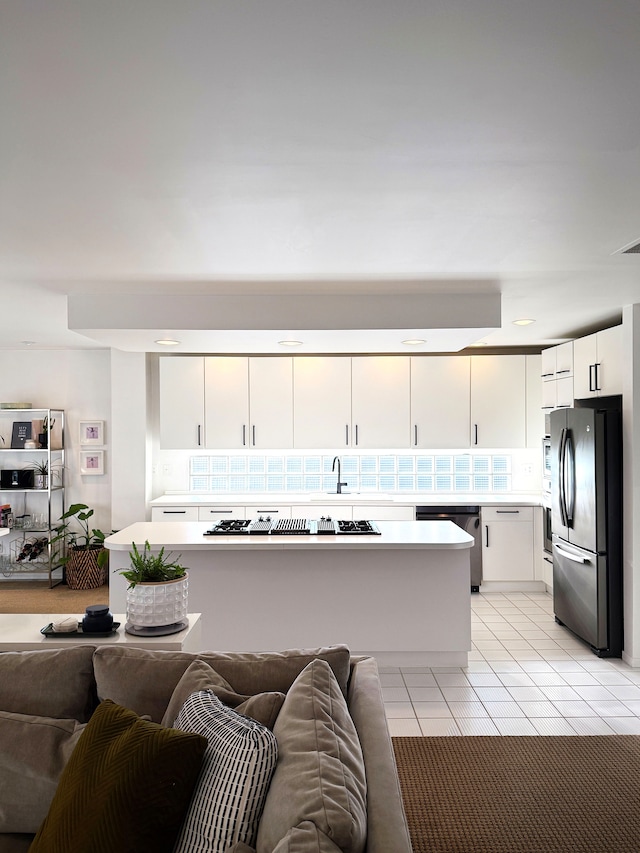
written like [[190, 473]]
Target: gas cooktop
[[291, 527]]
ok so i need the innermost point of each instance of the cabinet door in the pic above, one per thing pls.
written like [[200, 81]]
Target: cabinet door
[[174, 513], [548, 365], [440, 403], [507, 545], [380, 395], [498, 393], [271, 401], [609, 376], [535, 414], [182, 415], [564, 360], [321, 402], [227, 401], [585, 356]]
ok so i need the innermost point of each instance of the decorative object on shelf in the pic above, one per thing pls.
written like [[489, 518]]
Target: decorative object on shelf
[[86, 558], [91, 432], [47, 425], [21, 433], [41, 478], [97, 619], [92, 461], [157, 593]]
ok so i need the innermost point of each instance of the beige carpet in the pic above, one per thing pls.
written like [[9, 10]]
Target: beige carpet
[[521, 794], [36, 597]]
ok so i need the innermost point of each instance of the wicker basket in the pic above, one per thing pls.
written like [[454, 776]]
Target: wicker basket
[[82, 569]]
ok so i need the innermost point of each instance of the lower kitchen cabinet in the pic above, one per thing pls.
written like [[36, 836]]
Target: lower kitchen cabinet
[[507, 543], [174, 513]]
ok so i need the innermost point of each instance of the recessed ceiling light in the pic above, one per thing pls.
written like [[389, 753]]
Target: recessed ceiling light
[[167, 342], [479, 344], [28, 343], [524, 322], [290, 343], [414, 342]]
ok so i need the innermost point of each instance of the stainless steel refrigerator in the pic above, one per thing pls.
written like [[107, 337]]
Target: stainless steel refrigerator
[[586, 521]]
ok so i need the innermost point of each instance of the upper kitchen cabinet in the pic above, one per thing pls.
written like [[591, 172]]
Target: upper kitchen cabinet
[[248, 402], [535, 413], [181, 403], [557, 376], [322, 395], [498, 401], [597, 361], [440, 401], [227, 402], [380, 401], [271, 401]]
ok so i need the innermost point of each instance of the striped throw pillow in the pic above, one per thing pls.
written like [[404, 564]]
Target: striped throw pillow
[[236, 771]]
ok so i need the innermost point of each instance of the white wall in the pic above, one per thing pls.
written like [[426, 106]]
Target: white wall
[[77, 381]]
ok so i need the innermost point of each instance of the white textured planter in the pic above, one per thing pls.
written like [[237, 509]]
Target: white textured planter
[[152, 605]]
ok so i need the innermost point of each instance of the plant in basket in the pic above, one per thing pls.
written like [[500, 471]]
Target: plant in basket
[[82, 551]]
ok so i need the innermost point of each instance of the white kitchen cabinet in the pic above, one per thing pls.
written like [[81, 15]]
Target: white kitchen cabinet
[[598, 364], [182, 416], [375, 512], [440, 401], [507, 543], [322, 402], [535, 413], [275, 511], [557, 376], [226, 389], [248, 402], [174, 513], [220, 512], [498, 401], [271, 402], [380, 401], [315, 511]]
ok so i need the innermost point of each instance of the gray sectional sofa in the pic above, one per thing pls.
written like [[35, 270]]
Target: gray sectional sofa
[[334, 786]]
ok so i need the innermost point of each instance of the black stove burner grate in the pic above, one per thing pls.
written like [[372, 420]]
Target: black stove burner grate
[[291, 526], [229, 527], [358, 527]]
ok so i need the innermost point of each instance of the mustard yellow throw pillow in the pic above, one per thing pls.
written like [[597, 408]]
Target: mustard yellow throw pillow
[[126, 787]]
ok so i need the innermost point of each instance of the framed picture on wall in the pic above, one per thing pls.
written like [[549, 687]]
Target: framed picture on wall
[[92, 461], [91, 432]]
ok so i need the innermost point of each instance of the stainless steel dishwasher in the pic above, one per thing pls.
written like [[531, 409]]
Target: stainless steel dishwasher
[[468, 518]]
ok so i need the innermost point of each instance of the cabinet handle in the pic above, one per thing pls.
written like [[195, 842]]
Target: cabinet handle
[[356, 435], [174, 511], [486, 529], [199, 435], [244, 435], [220, 511], [507, 511], [545, 374], [346, 432], [415, 435], [566, 370], [548, 560], [597, 372], [253, 434], [475, 433], [270, 511], [591, 382]]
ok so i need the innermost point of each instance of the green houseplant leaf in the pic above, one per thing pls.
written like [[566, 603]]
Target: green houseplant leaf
[[147, 567]]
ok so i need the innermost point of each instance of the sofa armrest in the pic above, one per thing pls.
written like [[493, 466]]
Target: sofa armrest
[[386, 821]]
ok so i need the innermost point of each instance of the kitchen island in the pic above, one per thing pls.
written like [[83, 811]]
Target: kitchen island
[[401, 596]]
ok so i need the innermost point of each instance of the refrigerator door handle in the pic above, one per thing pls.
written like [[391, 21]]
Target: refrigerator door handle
[[573, 557], [561, 470], [570, 482]]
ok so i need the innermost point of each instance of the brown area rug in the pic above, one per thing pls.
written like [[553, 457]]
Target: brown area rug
[[36, 597], [521, 794]]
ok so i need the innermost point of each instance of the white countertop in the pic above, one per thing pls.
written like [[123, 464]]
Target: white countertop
[[360, 498], [189, 535]]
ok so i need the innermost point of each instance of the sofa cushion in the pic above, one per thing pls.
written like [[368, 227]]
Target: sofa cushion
[[306, 838], [263, 707], [33, 754], [144, 680], [48, 682], [238, 763], [125, 788], [320, 775]]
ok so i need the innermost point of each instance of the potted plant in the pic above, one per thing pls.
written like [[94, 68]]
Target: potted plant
[[83, 556], [157, 592]]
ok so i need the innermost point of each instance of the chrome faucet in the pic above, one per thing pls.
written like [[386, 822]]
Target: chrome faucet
[[339, 484]]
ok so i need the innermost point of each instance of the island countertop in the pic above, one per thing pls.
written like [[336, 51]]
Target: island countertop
[[190, 536]]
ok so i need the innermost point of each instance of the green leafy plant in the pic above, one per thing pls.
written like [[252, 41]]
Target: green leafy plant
[[85, 539], [147, 567], [41, 467]]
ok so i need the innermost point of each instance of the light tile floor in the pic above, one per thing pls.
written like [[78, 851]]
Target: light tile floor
[[527, 675]]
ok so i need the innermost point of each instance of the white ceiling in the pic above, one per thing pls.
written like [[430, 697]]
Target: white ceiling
[[197, 147]]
